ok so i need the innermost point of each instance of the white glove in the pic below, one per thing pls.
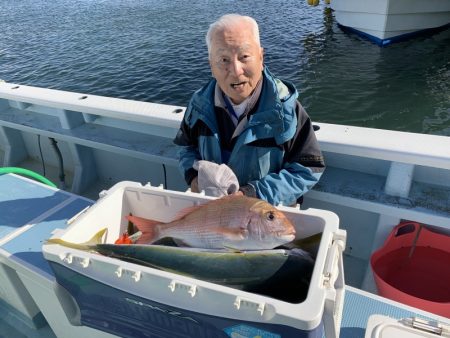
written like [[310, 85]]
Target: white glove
[[216, 180]]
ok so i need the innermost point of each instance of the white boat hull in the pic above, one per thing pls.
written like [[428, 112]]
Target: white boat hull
[[386, 20]]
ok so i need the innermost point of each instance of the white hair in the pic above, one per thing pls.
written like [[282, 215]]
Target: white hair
[[229, 20]]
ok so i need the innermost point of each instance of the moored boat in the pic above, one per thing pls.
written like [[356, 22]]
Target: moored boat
[[387, 21]]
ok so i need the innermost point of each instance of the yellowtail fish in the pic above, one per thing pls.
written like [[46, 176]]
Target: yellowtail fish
[[234, 221], [243, 269]]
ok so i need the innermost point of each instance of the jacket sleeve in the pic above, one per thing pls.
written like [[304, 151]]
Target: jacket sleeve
[[188, 150], [303, 165]]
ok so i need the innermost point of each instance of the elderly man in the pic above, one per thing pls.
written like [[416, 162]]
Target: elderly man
[[245, 129]]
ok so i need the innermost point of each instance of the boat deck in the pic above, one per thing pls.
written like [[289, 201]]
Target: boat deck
[[31, 212]]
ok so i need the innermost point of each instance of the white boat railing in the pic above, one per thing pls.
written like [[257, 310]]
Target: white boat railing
[[418, 149]]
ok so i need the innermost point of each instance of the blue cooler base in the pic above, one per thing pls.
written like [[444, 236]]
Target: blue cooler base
[[124, 314]]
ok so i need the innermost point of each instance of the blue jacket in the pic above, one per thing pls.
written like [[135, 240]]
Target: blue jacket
[[276, 154]]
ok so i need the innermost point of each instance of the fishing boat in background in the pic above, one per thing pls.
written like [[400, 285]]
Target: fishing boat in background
[[101, 152], [387, 21]]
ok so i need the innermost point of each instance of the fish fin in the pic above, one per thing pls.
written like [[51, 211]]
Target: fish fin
[[183, 212], [235, 234], [231, 196], [88, 245], [148, 227], [180, 214]]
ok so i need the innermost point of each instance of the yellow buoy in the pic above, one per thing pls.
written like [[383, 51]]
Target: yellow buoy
[[313, 2]]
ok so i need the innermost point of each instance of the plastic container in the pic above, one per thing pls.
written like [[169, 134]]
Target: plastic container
[[413, 267], [128, 299], [379, 326]]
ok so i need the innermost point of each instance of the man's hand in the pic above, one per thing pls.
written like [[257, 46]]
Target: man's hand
[[216, 180]]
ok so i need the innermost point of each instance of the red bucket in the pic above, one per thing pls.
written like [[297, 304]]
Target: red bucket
[[413, 267]]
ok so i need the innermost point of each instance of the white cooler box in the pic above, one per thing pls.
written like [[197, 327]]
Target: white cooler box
[[132, 300], [379, 326]]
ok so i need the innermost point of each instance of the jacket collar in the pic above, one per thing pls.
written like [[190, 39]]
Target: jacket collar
[[274, 116]]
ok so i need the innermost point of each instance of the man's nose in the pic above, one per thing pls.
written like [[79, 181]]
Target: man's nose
[[237, 68]]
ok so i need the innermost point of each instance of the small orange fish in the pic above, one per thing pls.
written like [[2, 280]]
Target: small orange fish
[[234, 221], [123, 239]]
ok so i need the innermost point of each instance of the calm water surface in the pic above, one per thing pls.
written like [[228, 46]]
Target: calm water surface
[[153, 50]]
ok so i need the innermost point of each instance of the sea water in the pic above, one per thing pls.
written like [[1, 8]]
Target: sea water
[[154, 50]]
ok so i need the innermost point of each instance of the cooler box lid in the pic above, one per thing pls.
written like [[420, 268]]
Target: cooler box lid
[[379, 326]]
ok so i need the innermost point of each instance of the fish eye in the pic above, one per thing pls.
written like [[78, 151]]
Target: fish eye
[[270, 216]]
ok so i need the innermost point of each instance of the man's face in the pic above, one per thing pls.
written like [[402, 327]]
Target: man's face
[[236, 61]]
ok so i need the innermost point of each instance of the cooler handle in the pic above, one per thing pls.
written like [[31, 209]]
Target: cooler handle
[[335, 285]]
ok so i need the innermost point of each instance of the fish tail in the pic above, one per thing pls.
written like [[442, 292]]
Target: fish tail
[[96, 239], [148, 227]]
